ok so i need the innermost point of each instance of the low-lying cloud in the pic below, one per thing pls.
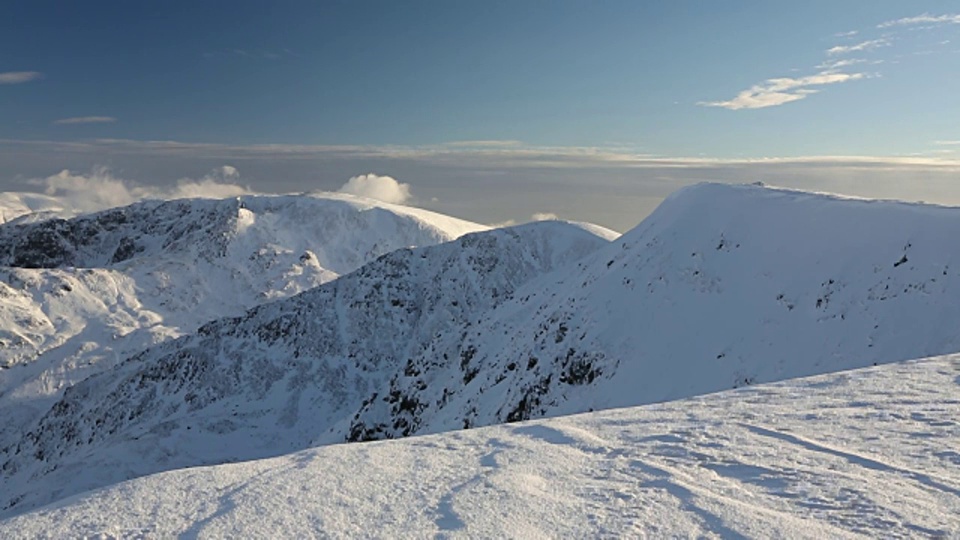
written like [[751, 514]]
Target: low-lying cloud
[[99, 189], [544, 216], [382, 188]]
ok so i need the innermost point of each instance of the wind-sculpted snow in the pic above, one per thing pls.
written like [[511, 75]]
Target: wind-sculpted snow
[[871, 453], [285, 374], [116, 282]]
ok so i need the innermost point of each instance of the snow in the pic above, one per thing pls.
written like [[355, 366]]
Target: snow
[[112, 283], [723, 287], [279, 378], [859, 454], [592, 228]]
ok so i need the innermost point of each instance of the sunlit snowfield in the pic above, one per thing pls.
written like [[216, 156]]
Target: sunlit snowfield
[[870, 453]]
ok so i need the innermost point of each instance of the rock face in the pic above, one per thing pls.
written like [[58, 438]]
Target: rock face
[[722, 287]]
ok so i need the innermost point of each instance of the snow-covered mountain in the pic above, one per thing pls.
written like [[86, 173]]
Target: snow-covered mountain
[[870, 453], [723, 286], [81, 294], [283, 374]]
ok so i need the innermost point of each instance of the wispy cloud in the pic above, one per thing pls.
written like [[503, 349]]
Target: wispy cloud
[[830, 65], [926, 18], [779, 91], [86, 120], [868, 45], [947, 143], [19, 77], [782, 90]]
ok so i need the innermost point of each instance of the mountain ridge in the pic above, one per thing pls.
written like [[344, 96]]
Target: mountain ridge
[[186, 262]]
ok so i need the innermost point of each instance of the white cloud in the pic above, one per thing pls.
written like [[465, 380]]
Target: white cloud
[[537, 216], [846, 34], [100, 190], [373, 186], [782, 90], [86, 120], [87, 193], [868, 45], [19, 77], [947, 143], [219, 184], [830, 65], [926, 18]]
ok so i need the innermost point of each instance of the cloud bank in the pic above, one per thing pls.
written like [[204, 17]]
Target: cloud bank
[[382, 188]]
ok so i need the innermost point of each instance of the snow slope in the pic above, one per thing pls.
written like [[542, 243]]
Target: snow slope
[[79, 295], [722, 286], [870, 453], [280, 376]]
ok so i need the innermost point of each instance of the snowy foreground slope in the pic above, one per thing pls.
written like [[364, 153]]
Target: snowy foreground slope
[[871, 453], [79, 295]]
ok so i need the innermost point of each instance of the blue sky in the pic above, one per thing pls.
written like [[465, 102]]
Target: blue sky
[[680, 79]]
